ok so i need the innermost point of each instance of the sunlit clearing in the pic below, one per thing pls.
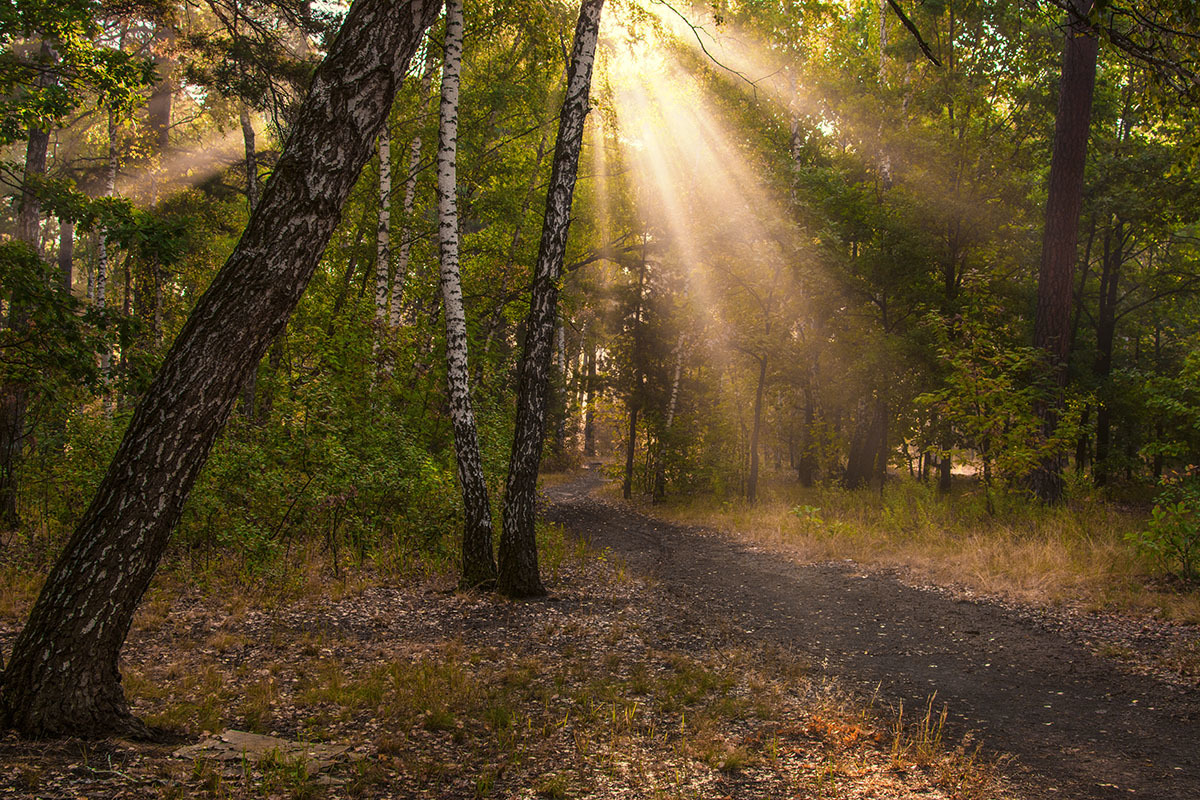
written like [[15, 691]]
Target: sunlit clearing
[[180, 167]]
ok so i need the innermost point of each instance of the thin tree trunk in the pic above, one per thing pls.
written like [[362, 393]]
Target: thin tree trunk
[[14, 396], [630, 451], [660, 469], [1063, 203], [252, 193], [63, 678], [66, 254], [518, 547], [589, 422], [755, 431], [383, 236], [404, 251], [478, 566]]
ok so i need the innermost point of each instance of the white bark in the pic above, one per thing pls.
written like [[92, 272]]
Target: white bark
[[383, 239], [478, 566]]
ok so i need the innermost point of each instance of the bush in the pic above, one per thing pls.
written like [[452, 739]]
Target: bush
[[1172, 537]]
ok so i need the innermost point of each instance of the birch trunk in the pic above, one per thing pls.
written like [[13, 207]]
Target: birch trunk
[[383, 237], [404, 252], [63, 678], [478, 566], [660, 472], [518, 548]]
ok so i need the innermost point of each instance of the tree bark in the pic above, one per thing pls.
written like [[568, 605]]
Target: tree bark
[[62, 678], [1064, 199], [755, 431], [14, 396], [589, 414], [66, 254], [383, 232], [518, 547], [478, 565], [252, 193], [404, 252]]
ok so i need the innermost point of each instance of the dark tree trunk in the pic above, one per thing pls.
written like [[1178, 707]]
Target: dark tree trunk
[[14, 396], [252, 192], [62, 678], [518, 548], [1052, 325], [1106, 328], [806, 465], [630, 450], [756, 431]]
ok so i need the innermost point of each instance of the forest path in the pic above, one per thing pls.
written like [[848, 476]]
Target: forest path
[[1078, 726]]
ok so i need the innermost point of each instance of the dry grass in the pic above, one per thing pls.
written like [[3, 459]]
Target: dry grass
[[1075, 554], [607, 692]]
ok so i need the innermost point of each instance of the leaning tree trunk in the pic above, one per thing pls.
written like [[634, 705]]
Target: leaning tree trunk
[[1052, 325], [518, 548], [478, 566], [63, 678]]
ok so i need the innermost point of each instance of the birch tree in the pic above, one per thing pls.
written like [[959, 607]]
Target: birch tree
[[478, 566], [63, 677], [518, 576]]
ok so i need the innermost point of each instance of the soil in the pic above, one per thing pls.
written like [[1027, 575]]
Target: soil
[[1076, 724]]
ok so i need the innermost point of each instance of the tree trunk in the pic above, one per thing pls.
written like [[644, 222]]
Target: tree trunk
[[755, 431], [66, 254], [1106, 328], [404, 252], [62, 678], [383, 232], [252, 192], [630, 451], [518, 548], [589, 413], [1063, 203], [660, 471], [14, 396], [478, 566], [806, 464]]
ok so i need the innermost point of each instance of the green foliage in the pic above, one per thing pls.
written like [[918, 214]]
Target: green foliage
[[80, 68], [1171, 538]]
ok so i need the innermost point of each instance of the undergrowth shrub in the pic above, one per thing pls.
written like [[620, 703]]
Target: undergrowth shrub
[[1171, 538]]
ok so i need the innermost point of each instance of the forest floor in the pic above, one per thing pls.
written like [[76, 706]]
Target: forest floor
[[668, 661], [1039, 684], [615, 686]]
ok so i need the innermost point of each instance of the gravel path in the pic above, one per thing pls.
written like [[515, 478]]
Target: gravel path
[[1077, 725]]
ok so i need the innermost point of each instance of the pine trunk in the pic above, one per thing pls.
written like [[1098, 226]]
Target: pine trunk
[[14, 396], [1052, 325], [62, 678], [518, 548], [478, 566]]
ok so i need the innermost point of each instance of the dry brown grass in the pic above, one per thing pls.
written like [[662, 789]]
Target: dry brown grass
[[1075, 554]]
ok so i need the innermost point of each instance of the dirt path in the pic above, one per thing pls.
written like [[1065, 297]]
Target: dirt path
[[1077, 725]]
